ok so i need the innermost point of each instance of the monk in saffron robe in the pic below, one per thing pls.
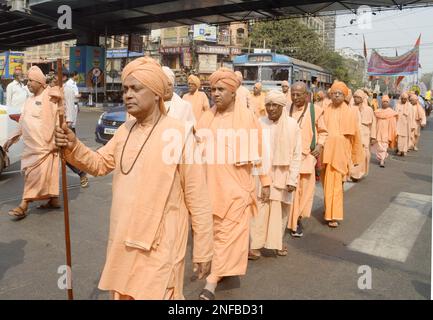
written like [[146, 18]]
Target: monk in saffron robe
[[404, 121], [198, 99], [175, 106], [279, 174], [285, 88], [342, 148], [257, 101], [313, 139], [386, 132], [40, 158], [242, 94], [235, 138], [419, 119], [154, 188], [367, 121]]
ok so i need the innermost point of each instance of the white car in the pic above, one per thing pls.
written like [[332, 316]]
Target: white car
[[9, 118]]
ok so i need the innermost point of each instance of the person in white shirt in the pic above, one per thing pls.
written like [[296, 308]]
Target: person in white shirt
[[17, 92]]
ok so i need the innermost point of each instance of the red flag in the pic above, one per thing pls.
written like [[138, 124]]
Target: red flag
[[418, 41], [365, 48], [399, 79]]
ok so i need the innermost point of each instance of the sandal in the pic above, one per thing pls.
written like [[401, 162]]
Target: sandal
[[283, 252], [206, 295], [333, 224], [48, 205], [18, 213], [253, 256]]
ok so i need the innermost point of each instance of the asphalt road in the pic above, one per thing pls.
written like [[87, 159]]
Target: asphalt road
[[386, 233]]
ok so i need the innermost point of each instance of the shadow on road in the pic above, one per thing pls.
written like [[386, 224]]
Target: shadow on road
[[14, 251]]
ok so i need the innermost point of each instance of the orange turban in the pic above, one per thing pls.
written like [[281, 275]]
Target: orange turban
[[36, 74], [341, 86], [148, 72], [239, 75], [227, 76], [195, 80], [404, 95], [258, 86]]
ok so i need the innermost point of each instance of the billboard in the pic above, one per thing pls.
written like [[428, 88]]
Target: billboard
[[89, 63], [205, 32], [11, 61], [403, 65]]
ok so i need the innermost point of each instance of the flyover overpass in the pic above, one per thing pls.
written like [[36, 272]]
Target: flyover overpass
[[34, 22]]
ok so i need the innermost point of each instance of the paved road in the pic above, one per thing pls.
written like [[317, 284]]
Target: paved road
[[387, 230]]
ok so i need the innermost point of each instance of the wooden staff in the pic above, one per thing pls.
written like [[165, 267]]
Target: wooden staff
[[65, 186]]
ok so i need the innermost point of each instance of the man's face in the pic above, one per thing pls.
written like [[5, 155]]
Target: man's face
[[337, 97], [139, 100], [274, 111], [169, 93], [299, 96], [75, 77], [413, 100], [285, 88], [192, 87], [357, 99], [385, 104], [403, 100], [19, 76], [257, 90], [222, 96], [34, 86]]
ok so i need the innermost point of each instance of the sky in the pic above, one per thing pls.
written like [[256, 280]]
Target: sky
[[390, 30]]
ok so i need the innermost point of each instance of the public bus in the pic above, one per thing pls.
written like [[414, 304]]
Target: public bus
[[271, 69]]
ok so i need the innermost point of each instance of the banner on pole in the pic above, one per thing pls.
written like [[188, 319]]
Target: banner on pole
[[403, 65]]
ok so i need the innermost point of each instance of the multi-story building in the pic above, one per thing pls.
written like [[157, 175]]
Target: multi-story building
[[45, 56], [324, 26]]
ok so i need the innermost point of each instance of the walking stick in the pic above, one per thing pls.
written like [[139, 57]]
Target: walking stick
[[65, 189]]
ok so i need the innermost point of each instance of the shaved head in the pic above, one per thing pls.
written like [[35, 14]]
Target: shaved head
[[301, 86]]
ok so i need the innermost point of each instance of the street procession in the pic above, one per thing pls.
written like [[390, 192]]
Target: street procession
[[215, 151]]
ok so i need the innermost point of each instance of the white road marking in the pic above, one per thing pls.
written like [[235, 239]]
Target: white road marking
[[395, 231]]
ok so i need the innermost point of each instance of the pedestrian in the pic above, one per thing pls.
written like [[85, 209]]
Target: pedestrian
[[404, 121], [386, 133], [279, 176], [313, 132], [285, 88], [242, 94], [367, 122], [175, 106], [40, 158], [17, 92], [230, 181], [257, 100], [342, 148], [151, 195], [197, 98], [420, 120]]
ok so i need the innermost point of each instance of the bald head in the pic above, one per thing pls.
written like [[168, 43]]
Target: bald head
[[299, 94]]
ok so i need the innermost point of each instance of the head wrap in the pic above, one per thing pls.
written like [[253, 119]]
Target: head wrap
[[285, 83], [360, 93], [170, 74], [341, 86], [227, 76], [195, 80], [149, 73], [258, 86], [36, 74], [239, 75], [276, 97], [404, 95]]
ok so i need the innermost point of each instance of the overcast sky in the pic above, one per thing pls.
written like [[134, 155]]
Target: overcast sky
[[390, 30]]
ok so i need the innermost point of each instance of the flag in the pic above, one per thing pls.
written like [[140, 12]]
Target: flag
[[365, 48], [393, 66], [399, 79], [418, 41]]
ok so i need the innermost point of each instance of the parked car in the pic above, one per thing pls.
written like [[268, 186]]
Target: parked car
[[9, 118], [112, 119]]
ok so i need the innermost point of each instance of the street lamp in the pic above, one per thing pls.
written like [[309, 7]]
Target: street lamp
[[191, 46]]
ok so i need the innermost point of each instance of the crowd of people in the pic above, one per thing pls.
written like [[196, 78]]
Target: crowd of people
[[262, 184]]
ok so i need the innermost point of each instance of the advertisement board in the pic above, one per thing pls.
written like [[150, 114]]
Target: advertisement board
[[89, 63], [207, 63], [205, 32], [11, 61]]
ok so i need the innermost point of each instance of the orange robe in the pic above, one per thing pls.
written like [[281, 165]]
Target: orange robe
[[257, 104], [149, 212], [367, 123], [342, 147], [304, 194], [199, 102], [243, 96], [403, 126], [386, 132], [40, 158], [288, 97], [419, 118], [267, 228], [233, 199]]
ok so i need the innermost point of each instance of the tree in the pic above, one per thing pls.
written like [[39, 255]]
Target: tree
[[427, 79], [297, 40]]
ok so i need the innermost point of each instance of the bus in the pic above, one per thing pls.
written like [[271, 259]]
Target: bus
[[271, 69]]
